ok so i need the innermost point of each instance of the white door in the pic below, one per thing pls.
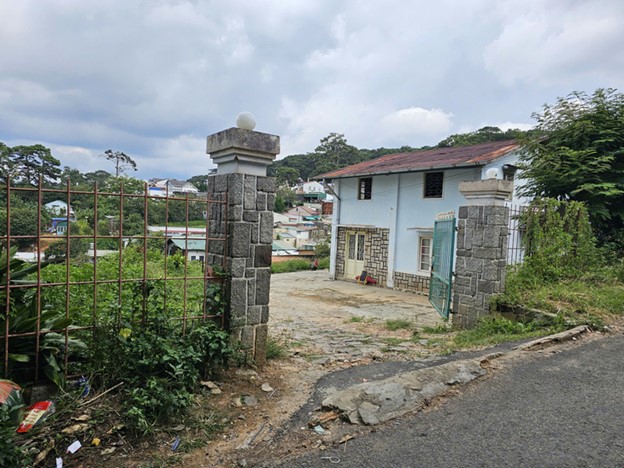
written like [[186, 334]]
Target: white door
[[354, 263]]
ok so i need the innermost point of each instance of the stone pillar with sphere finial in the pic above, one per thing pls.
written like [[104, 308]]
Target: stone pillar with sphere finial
[[242, 156]]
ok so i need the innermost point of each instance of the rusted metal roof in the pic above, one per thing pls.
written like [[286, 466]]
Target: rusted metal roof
[[437, 158]]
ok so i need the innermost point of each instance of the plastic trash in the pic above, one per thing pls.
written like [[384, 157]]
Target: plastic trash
[[36, 414]]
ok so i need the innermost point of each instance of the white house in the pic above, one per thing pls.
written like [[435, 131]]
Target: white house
[[59, 208], [164, 187], [385, 208]]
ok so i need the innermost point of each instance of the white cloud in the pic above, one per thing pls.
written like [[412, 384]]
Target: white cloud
[[551, 42], [406, 123]]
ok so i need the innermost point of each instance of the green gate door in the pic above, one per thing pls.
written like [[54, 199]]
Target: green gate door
[[443, 252]]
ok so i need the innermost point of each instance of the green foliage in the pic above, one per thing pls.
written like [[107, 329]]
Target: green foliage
[[160, 366], [286, 176], [494, 329], [557, 239], [24, 218], [578, 154], [200, 181], [322, 249], [275, 349], [437, 329], [334, 152], [483, 135], [324, 263], [10, 453], [25, 164], [289, 266], [398, 324], [23, 319]]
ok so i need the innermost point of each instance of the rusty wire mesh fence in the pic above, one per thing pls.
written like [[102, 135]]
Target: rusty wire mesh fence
[[74, 261]]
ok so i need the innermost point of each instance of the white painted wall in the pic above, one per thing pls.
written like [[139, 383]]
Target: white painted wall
[[397, 203]]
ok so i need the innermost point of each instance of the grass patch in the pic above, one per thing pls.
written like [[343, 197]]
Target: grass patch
[[288, 266], [591, 300], [398, 324], [275, 349], [356, 319], [437, 330], [496, 329], [391, 341]]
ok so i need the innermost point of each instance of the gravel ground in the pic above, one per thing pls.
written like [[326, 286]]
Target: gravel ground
[[326, 320]]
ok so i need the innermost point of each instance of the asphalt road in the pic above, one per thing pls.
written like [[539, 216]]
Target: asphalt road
[[549, 410]]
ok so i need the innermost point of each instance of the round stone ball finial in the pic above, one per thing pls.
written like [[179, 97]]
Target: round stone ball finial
[[246, 121]]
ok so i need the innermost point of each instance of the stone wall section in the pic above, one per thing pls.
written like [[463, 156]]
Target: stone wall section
[[412, 283], [250, 203], [481, 261]]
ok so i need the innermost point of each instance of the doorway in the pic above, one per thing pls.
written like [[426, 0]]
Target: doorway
[[354, 262]]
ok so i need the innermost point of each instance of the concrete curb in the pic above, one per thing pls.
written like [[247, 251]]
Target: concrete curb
[[375, 402], [372, 403], [556, 338]]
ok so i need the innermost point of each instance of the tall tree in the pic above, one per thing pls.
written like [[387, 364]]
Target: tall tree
[[25, 164], [121, 161], [286, 176], [579, 155], [334, 152]]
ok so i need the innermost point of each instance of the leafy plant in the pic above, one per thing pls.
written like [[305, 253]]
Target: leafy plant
[[24, 320], [11, 454]]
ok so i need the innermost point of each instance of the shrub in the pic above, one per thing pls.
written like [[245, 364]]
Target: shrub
[[289, 266], [160, 367]]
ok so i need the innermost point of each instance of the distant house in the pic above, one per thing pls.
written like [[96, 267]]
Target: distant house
[[300, 235], [311, 192], [193, 249], [302, 213], [279, 218], [164, 187], [60, 208], [384, 211], [59, 226]]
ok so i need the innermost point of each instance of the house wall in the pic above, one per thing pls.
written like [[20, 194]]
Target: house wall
[[416, 214], [397, 206], [375, 253]]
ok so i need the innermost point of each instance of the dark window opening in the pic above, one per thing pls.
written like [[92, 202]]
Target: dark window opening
[[434, 182], [509, 172], [365, 189]]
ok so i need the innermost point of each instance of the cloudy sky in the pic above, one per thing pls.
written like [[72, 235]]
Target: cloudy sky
[[153, 78]]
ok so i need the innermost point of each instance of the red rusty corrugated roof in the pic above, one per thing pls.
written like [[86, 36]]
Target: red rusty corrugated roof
[[437, 158]]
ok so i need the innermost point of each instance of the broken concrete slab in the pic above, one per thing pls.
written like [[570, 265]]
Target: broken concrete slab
[[372, 403]]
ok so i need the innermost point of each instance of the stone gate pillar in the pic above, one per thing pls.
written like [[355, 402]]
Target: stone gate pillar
[[242, 156], [483, 228]]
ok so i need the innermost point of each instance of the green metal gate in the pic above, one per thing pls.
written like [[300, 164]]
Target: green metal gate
[[443, 252]]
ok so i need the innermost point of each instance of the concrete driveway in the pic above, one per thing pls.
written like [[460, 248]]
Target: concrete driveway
[[327, 320]]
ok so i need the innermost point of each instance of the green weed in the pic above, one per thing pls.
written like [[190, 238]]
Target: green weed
[[275, 349], [398, 324]]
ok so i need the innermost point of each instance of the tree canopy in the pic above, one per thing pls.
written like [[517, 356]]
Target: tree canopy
[[121, 161], [578, 154], [483, 135], [25, 164]]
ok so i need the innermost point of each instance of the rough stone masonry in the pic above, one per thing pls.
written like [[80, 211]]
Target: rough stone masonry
[[242, 157]]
